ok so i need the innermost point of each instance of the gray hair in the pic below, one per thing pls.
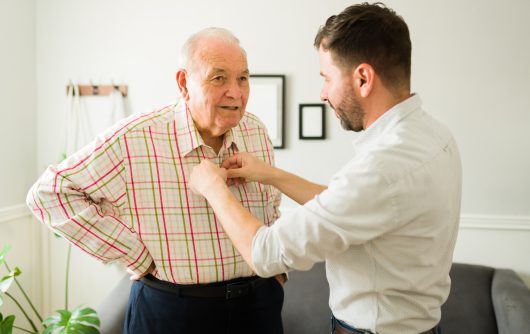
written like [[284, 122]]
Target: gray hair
[[189, 49]]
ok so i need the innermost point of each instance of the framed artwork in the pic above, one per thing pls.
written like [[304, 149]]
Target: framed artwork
[[312, 121], [267, 101]]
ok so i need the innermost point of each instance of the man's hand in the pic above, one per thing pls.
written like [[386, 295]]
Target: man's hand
[[136, 277], [207, 176], [281, 278], [246, 167]]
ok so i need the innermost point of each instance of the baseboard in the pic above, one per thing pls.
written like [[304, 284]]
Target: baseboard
[[495, 222], [482, 222], [10, 213]]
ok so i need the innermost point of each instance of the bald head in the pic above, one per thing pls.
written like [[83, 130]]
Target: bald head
[[202, 40]]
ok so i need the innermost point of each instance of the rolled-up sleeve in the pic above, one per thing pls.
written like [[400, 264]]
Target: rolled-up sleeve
[[81, 198], [356, 207]]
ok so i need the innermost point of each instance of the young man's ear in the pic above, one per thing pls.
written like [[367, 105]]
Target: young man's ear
[[182, 83], [363, 78]]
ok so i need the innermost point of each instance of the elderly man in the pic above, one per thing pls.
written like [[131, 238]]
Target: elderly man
[[386, 224], [126, 198]]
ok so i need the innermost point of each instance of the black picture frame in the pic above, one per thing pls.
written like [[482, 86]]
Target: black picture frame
[[267, 102], [312, 121]]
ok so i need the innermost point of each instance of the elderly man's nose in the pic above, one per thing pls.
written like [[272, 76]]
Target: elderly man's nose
[[234, 90]]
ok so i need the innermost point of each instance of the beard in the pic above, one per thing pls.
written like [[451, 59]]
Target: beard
[[350, 113]]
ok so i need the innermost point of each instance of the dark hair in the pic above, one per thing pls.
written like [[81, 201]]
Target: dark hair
[[372, 34]]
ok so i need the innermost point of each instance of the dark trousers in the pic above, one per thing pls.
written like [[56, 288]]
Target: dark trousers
[[153, 311]]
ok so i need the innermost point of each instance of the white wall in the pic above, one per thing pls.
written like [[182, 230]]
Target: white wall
[[18, 146], [17, 100], [470, 64]]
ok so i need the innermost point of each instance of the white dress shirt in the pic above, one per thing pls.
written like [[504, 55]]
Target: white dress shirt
[[386, 225]]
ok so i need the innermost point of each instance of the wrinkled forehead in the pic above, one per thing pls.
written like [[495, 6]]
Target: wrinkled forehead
[[220, 54]]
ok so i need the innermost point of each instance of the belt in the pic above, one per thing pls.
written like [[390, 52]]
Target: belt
[[338, 328], [225, 290]]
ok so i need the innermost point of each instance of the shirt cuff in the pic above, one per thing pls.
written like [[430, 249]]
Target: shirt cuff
[[138, 260], [266, 253]]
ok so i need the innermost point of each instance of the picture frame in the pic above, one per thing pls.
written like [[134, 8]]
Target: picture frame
[[312, 121], [267, 102]]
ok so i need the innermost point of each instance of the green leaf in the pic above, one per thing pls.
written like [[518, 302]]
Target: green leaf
[[3, 253], [82, 320], [6, 325], [83, 329], [7, 280]]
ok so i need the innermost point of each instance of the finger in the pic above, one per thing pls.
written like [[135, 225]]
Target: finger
[[235, 173], [239, 181], [230, 166], [234, 160], [228, 163]]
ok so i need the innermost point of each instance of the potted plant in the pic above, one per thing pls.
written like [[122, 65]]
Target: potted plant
[[82, 320]]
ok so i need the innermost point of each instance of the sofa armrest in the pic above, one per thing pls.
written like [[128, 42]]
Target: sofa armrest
[[511, 301], [112, 309]]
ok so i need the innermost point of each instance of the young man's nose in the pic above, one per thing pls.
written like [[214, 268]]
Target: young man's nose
[[323, 95]]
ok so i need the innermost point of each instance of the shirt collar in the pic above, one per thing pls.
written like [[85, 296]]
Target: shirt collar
[[189, 138], [388, 120]]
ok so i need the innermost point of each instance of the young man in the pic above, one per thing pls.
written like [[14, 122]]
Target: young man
[[126, 198], [387, 223]]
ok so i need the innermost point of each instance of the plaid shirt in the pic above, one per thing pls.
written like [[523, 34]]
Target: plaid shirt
[[125, 197]]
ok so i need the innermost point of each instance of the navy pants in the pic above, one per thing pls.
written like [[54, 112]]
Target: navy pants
[[152, 311]]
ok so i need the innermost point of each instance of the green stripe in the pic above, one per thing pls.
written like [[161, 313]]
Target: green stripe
[[41, 203], [183, 213], [108, 146], [154, 202]]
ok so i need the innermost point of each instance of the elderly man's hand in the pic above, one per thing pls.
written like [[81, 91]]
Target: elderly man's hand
[[206, 176], [136, 277]]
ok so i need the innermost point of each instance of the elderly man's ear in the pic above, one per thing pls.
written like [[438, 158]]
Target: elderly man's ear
[[182, 83]]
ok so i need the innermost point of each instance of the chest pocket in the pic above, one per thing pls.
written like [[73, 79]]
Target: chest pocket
[[257, 199]]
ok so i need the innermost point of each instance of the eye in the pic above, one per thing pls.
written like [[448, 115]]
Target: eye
[[243, 78], [218, 78]]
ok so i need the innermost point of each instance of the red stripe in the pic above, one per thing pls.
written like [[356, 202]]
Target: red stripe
[[139, 256], [205, 259], [37, 206], [102, 144], [117, 199], [132, 186], [84, 228], [267, 147], [161, 203], [187, 199], [101, 178], [100, 214]]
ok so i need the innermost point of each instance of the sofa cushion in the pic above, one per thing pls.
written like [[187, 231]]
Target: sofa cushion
[[511, 301], [306, 303], [469, 308]]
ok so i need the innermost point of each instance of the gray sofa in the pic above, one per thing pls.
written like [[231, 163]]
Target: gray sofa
[[482, 300]]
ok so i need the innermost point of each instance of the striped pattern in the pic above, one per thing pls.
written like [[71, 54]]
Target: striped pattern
[[125, 197]]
